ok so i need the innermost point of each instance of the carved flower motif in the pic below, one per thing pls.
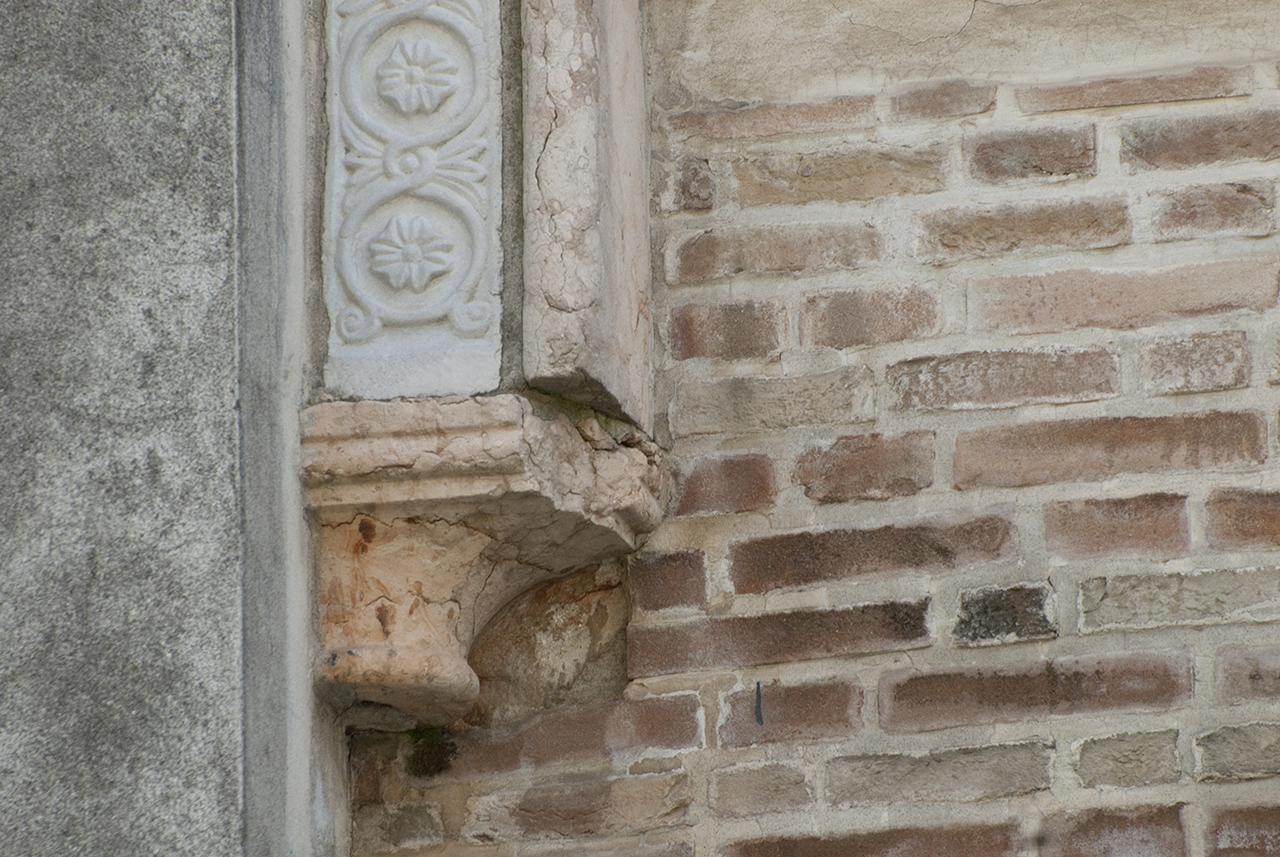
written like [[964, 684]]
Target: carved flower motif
[[417, 76], [409, 253]]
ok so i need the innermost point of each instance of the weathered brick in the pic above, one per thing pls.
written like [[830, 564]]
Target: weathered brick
[[867, 317], [943, 100], [616, 848], [1234, 753], [965, 774], [916, 700], [378, 829], [1056, 153], [984, 379], [776, 638], [866, 467], [773, 712], [727, 331], [951, 841], [1068, 300], [696, 186], [1079, 450], [800, 559], [1129, 760], [995, 614], [1152, 525], [746, 792], [1248, 672], [1145, 831], [1155, 600], [1178, 144], [1246, 832], [738, 405], [956, 233], [1238, 208], [770, 120], [583, 806], [718, 253], [838, 176], [659, 581], [1243, 518], [736, 483], [1195, 363], [1202, 83]]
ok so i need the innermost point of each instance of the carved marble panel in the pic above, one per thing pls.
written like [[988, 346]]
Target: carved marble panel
[[412, 257]]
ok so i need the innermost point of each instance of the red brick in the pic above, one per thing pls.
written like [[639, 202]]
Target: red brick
[[792, 713], [866, 467], [1084, 450], [952, 234], [659, 581], [1248, 672], [1153, 526], [1243, 518], [1067, 300], [735, 483], [695, 187], [769, 120], [916, 701], [997, 614], [1196, 363], [943, 100], [590, 806], [1238, 208], [1202, 83], [800, 559], [951, 841], [1149, 831], [1247, 832], [978, 379], [746, 792], [867, 317], [775, 638], [856, 175], [1057, 153], [727, 331], [719, 253], [1179, 144]]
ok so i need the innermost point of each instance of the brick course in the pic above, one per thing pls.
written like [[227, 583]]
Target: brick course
[[718, 253], [727, 331], [1202, 83], [769, 120], [965, 774], [1244, 832], [1194, 141], [866, 467], [867, 317], [1150, 831], [1195, 363], [736, 483], [1040, 154], [774, 712], [943, 100], [736, 405], [952, 841], [1203, 598], [838, 176], [952, 234], [747, 792], [1152, 525], [1236, 208], [1248, 672], [659, 581], [983, 379], [1243, 518]]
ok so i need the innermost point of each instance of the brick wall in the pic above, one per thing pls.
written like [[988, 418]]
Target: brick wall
[[967, 387]]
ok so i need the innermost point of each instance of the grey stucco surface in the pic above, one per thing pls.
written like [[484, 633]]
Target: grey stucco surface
[[120, 689]]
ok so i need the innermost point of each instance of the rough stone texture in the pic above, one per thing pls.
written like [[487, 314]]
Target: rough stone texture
[[773, 712], [1036, 154], [737, 483], [1242, 518], [677, 579], [921, 700], [1153, 526], [770, 120], [1234, 753], [1238, 208], [943, 100], [1193, 141], [1248, 672], [586, 199], [727, 331], [952, 234], [1205, 598], [1251, 832], [1067, 300], [965, 774], [838, 176], [1129, 760], [717, 253], [121, 699], [800, 559], [776, 638], [746, 792], [1202, 83], [867, 317], [1076, 450], [696, 187], [996, 614], [951, 841], [985, 379], [385, 830], [1197, 363], [866, 467], [737, 405], [1148, 832]]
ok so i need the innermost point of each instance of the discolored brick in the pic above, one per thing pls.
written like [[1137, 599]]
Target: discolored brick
[[952, 234], [866, 467], [1079, 450], [776, 638], [1237, 208], [867, 317], [950, 841], [1130, 760], [1248, 672], [746, 792], [838, 176], [924, 700], [1244, 832], [943, 100], [1005, 614], [587, 806], [1250, 751], [1243, 518], [1152, 525], [1058, 153], [1195, 363], [1200, 598], [659, 581], [1194, 141], [965, 774], [727, 331], [736, 483], [1145, 831], [718, 253], [696, 186], [739, 405], [772, 712], [1201, 83], [983, 379], [799, 559], [771, 120]]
